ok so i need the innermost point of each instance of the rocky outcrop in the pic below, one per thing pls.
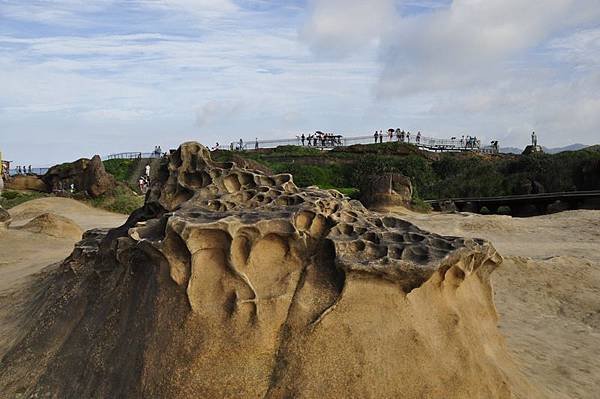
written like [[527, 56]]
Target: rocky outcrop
[[26, 182], [87, 176], [5, 218], [533, 149], [54, 225], [388, 189], [234, 283]]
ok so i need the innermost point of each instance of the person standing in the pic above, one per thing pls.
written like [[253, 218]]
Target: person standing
[[147, 170], [381, 136], [533, 139], [376, 135], [302, 138], [256, 143], [241, 144], [419, 137], [408, 137]]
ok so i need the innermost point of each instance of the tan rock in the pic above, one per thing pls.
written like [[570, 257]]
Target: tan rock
[[54, 225], [234, 283], [26, 182]]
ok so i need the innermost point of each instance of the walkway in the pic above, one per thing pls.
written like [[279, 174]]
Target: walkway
[[524, 205], [426, 144]]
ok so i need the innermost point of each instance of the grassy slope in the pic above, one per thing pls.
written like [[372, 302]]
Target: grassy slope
[[433, 175]]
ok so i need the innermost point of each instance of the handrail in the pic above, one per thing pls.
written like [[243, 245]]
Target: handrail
[[519, 196]]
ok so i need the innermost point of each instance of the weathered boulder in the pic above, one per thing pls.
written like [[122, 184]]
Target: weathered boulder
[[54, 225], [388, 189], [5, 218], [533, 149], [87, 175], [233, 283], [26, 182]]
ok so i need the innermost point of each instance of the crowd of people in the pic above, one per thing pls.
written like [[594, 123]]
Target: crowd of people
[[23, 170], [328, 140], [320, 139], [397, 134]]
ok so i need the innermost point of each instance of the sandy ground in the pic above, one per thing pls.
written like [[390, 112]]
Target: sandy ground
[[24, 253], [547, 292]]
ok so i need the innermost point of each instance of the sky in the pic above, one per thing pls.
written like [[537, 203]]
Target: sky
[[85, 77]]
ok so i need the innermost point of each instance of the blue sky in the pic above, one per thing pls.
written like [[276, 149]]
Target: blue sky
[[80, 77]]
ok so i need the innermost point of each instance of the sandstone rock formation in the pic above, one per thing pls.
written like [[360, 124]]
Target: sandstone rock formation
[[26, 182], [54, 225], [388, 189], [233, 283], [87, 175], [5, 218]]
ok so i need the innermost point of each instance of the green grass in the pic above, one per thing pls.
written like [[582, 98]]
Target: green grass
[[11, 198], [121, 169], [121, 200], [418, 205]]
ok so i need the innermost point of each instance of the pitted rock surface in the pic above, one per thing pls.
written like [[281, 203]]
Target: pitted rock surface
[[230, 282]]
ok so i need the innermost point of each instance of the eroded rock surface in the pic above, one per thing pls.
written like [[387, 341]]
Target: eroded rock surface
[[87, 175], [388, 189], [26, 182], [233, 283]]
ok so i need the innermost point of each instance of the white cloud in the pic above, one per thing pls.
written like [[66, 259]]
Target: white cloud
[[343, 27]]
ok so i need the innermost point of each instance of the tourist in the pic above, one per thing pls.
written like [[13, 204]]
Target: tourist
[[376, 136], [256, 144], [231, 146], [148, 170], [302, 138], [381, 136], [398, 134], [241, 144], [408, 137], [390, 134], [533, 139]]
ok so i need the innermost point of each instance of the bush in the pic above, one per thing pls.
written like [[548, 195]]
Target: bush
[[121, 200], [121, 169]]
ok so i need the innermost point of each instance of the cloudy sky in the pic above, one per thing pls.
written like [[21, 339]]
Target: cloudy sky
[[79, 77]]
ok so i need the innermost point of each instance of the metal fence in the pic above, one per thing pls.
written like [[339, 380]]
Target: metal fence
[[424, 143], [36, 171], [133, 155]]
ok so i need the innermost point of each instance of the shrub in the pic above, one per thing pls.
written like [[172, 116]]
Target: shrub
[[121, 200]]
